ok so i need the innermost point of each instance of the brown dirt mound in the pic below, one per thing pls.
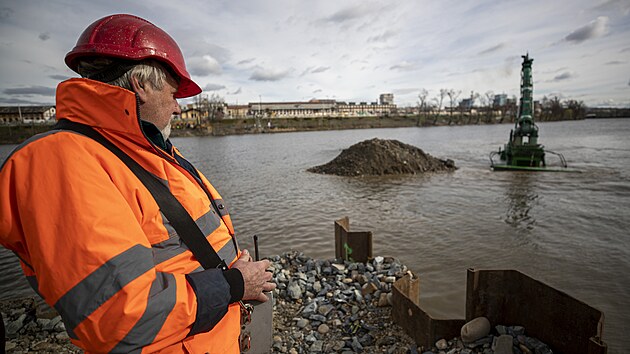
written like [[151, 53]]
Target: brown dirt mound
[[378, 157]]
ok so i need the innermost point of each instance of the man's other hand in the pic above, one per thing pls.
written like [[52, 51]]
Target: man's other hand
[[255, 277]]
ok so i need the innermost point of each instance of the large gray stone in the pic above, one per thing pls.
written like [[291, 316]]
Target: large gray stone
[[14, 326], [294, 291], [475, 329], [309, 309]]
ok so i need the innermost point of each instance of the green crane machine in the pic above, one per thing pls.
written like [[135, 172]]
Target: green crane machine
[[522, 151]]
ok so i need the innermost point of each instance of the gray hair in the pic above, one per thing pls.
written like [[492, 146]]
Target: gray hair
[[118, 73]]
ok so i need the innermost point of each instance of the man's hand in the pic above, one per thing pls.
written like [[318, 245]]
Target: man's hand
[[255, 277]]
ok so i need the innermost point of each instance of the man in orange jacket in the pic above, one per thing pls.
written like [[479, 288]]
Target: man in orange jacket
[[90, 237]]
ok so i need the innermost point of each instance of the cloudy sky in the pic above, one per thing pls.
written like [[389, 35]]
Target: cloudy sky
[[283, 50]]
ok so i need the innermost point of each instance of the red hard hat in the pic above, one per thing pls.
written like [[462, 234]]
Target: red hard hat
[[132, 38]]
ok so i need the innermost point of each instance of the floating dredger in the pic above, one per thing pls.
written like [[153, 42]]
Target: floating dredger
[[522, 151]]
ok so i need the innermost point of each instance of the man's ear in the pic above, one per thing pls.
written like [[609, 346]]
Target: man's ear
[[139, 88]]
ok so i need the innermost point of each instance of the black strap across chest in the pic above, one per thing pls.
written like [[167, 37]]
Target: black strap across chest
[[176, 214]]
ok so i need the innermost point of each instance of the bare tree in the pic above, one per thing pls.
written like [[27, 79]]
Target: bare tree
[[215, 107], [200, 104], [474, 96], [483, 101], [422, 99], [556, 108], [438, 101], [489, 95], [422, 102], [510, 109], [452, 96], [546, 111], [576, 109]]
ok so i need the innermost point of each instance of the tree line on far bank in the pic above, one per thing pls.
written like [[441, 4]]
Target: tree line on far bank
[[476, 108], [485, 108]]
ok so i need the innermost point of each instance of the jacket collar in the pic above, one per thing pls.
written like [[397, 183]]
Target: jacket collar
[[99, 105]]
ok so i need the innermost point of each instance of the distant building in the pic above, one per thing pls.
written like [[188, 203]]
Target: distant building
[[237, 111], [312, 108], [386, 99], [466, 103], [190, 113], [499, 100], [27, 114], [322, 108], [537, 108], [351, 109]]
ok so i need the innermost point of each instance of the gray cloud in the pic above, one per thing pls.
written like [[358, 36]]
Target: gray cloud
[[614, 5], [5, 13], [492, 49], [315, 70], [17, 101], [348, 14], [615, 62], [403, 66], [246, 61], [625, 50], [196, 47], [383, 37], [59, 77], [594, 29], [320, 69], [31, 90], [239, 90], [213, 87], [509, 64], [562, 77], [268, 75], [628, 82], [204, 66], [44, 36]]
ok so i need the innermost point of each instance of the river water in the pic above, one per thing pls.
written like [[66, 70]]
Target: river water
[[569, 230]]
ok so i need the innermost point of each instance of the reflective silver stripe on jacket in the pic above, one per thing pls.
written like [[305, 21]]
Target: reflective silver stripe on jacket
[[160, 303], [103, 283]]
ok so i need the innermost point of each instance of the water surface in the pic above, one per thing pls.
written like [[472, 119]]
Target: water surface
[[567, 230]]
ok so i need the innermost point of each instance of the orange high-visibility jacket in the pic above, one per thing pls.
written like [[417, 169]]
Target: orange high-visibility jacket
[[93, 243]]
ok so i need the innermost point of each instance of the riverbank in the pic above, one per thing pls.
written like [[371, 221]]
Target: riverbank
[[321, 306], [15, 134], [282, 125]]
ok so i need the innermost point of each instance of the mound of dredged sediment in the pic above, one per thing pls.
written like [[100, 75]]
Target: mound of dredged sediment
[[377, 157]]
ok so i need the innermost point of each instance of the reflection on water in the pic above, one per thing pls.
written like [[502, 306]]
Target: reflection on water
[[521, 198]]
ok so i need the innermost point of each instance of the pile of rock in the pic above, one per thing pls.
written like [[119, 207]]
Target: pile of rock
[[321, 306], [29, 329], [378, 157], [325, 306]]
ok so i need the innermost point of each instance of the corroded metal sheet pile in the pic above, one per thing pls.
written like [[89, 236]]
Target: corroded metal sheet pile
[[565, 324]]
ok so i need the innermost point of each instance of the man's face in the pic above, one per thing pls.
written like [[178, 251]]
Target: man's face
[[160, 105]]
